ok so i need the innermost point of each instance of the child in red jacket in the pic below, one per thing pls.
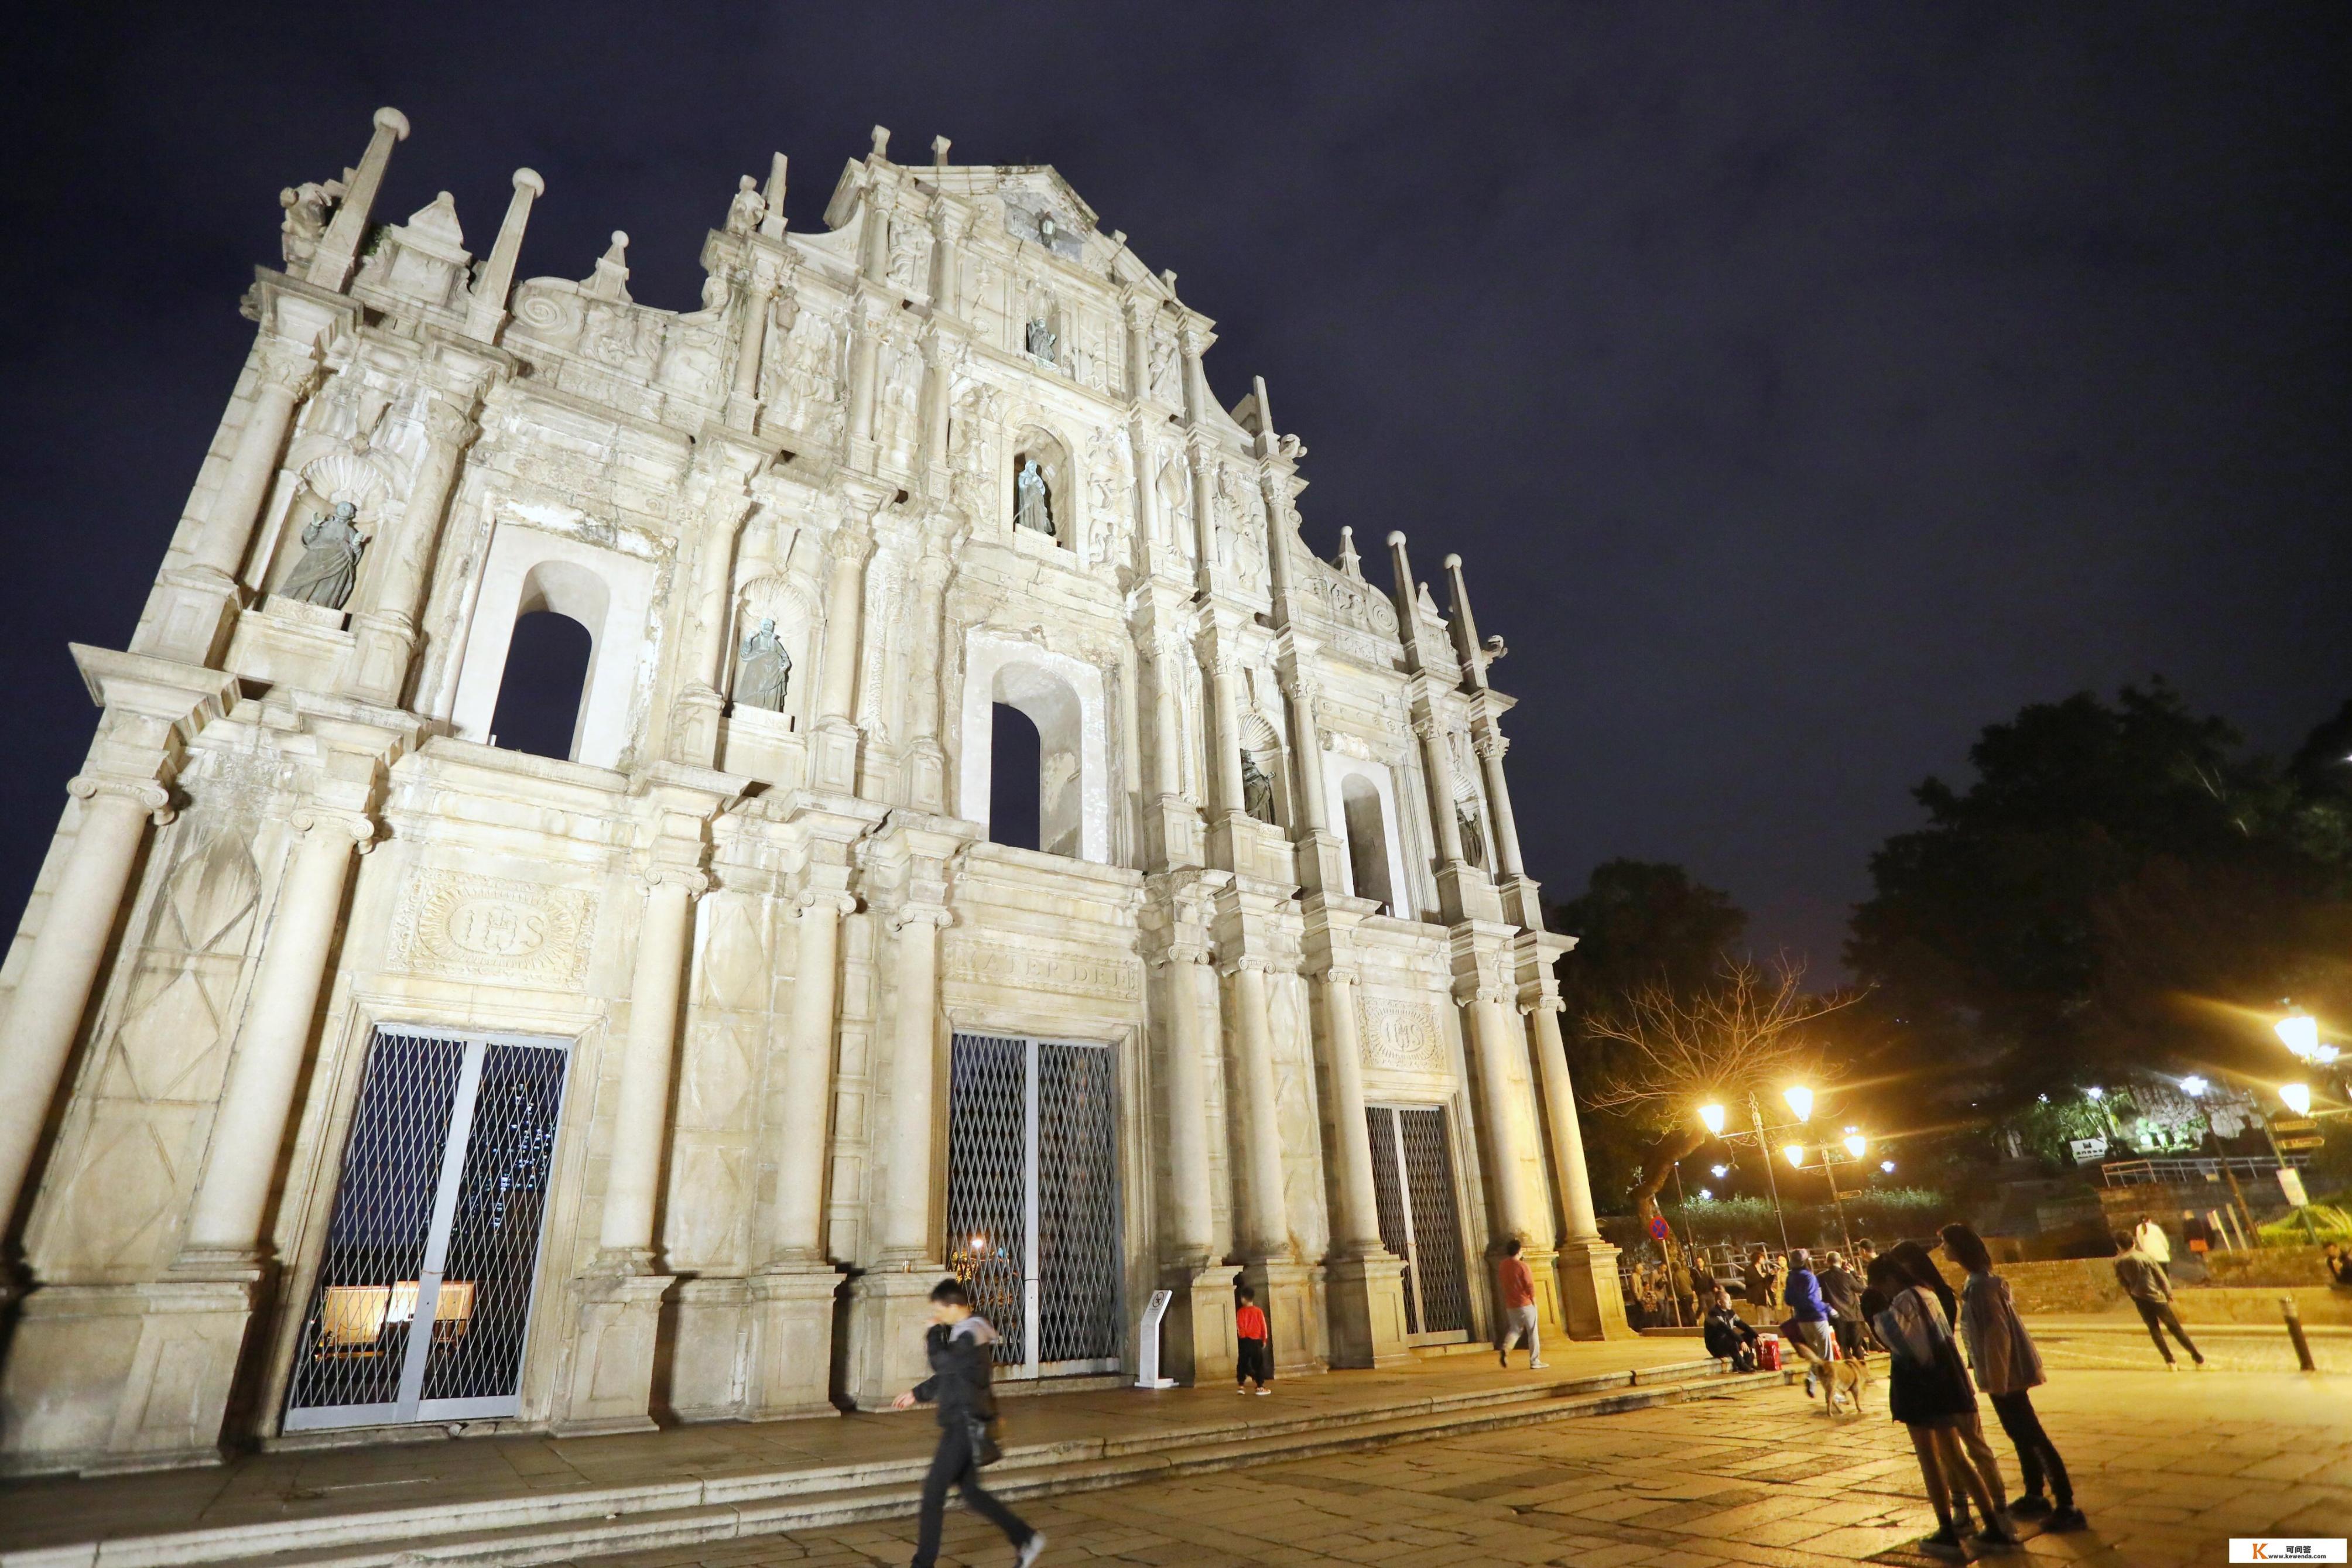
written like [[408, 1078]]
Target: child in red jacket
[[1256, 1359]]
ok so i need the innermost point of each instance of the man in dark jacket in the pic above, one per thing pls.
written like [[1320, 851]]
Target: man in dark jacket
[[1728, 1334], [1809, 1317], [958, 1343], [2144, 1281], [1841, 1288]]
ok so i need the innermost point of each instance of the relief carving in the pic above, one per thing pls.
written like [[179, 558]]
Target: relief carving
[[465, 927], [1400, 1037]]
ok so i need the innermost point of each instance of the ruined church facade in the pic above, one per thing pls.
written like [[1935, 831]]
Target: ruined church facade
[[360, 1071]]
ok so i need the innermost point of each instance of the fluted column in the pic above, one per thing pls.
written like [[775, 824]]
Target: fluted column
[[486, 312], [339, 248], [46, 1014], [227, 1224], [926, 758], [865, 334], [1559, 1109], [1225, 757], [1495, 1037], [1357, 1233], [383, 631], [949, 224], [1490, 745], [1438, 769], [758, 295], [641, 1115], [1191, 1223], [798, 1214], [1266, 1228], [939, 375], [908, 1233], [1306, 746]]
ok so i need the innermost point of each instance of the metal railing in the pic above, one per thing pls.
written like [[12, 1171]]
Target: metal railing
[[2149, 1173]]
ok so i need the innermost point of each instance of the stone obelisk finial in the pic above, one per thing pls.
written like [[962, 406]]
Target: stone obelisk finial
[[487, 311], [339, 248]]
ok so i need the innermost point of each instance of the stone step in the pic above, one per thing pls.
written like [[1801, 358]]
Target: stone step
[[514, 1533]]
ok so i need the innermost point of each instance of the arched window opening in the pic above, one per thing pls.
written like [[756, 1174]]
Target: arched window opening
[[540, 708], [1368, 841], [1016, 778]]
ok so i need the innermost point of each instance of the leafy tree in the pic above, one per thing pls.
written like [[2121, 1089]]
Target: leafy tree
[[2118, 877]]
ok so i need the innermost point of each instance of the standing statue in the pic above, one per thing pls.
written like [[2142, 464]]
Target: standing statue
[[1257, 790], [308, 208], [1032, 509], [1474, 836], [747, 208], [330, 560], [763, 671], [1040, 339]]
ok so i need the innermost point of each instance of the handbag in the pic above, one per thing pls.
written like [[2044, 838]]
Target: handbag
[[980, 1431]]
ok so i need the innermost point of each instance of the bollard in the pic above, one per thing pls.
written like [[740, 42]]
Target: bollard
[[2294, 1332]]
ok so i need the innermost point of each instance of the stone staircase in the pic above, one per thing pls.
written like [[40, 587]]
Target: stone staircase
[[538, 1529]]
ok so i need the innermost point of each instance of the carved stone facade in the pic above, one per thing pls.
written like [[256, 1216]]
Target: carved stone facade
[[752, 915]]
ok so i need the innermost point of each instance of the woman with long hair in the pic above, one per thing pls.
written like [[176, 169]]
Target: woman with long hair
[[1910, 1308], [2008, 1367]]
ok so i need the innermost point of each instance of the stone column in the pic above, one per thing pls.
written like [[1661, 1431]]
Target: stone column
[[339, 248], [865, 333], [1497, 1041], [1265, 1220], [486, 312], [612, 1369], [723, 474], [45, 1016], [1365, 1280], [1218, 662], [758, 295], [1197, 1343], [834, 754], [890, 1304], [383, 631], [1138, 309], [1591, 1304], [228, 1224], [1503, 827], [927, 759], [949, 223], [792, 1294], [1438, 769]]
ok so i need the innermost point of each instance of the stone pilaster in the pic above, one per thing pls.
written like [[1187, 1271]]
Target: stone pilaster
[[384, 627], [1197, 1337], [1591, 1304], [1483, 988]]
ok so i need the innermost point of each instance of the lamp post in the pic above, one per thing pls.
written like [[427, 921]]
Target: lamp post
[[1855, 1146], [1800, 1101]]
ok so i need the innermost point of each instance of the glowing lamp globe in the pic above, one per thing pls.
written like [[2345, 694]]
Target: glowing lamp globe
[[1800, 1101], [2299, 1032], [1855, 1143], [1711, 1116], [2296, 1097], [1795, 1153]]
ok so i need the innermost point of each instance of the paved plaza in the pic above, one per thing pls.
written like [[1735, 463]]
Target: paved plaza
[[2169, 1467]]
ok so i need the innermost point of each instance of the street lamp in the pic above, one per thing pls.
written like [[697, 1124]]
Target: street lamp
[[2194, 1087], [1795, 1153], [2299, 1032], [2296, 1097], [1711, 1117], [1855, 1143], [1800, 1101]]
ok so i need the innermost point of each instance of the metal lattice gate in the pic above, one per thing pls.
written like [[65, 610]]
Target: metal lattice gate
[[438, 1220], [1033, 1199], [1412, 1187]]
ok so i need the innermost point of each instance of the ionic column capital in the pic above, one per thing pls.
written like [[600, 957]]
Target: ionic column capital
[[1237, 963], [150, 794], [911, 915], [1478, 988], [823, 899], [693, 879], [356, 827]]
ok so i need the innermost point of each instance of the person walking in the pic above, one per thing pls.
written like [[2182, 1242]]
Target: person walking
[[957, 1344], [1928, 1393], [1841, 1288], [1809, 1322], [1518, 1291], [2145, 1281], [2149, 1237], [1256, 1344], [1728, 1336], [2007, 1369]]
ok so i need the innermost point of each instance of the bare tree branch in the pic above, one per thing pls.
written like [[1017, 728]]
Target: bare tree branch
[[1722, 1042]]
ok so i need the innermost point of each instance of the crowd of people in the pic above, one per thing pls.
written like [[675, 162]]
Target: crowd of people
[[1941, 1349]]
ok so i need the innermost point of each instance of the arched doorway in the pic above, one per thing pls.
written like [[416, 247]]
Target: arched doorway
[[540, 689], [1016, 777]]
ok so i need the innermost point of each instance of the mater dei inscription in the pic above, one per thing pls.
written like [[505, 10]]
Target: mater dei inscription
[[1000, 963], [467, 927]]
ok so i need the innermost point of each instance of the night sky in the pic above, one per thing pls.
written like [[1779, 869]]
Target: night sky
[[1805, 387]]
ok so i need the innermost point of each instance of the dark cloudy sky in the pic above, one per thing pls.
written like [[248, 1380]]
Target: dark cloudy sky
[[1806, 386]]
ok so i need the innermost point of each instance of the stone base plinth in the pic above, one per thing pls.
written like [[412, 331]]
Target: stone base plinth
[[888, 1315], [1365, 1297], [1592, 1307], [705, 1328], [1196, 1338], [1292, 1295], [610, 1385], [104, 1378], [790, 1351]]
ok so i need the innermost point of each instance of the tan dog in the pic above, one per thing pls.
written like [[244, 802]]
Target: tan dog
[[1849, 1376]]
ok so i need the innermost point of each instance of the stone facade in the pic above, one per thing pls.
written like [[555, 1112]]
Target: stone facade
[[957, 451]]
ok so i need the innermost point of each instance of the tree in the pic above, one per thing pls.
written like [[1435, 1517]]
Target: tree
[[2107, 862], [1745, 1032], [1637, 923]]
